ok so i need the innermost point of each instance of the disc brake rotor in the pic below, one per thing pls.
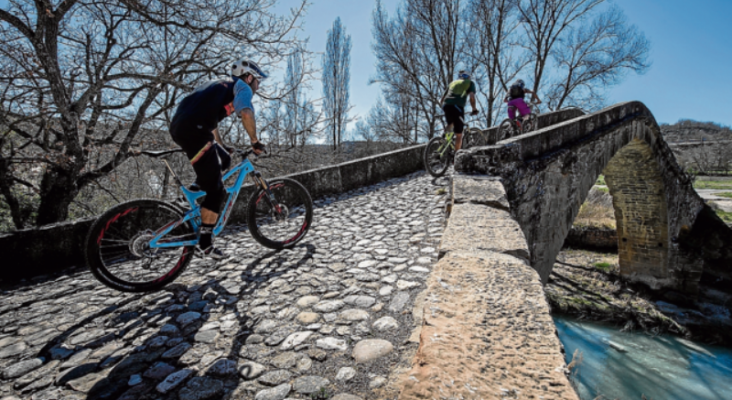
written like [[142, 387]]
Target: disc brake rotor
[[140, 244], [280, 212]]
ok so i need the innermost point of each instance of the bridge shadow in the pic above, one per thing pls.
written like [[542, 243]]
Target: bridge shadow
[[161, 342]]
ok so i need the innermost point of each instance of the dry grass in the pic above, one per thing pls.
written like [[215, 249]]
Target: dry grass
[[596, 214]]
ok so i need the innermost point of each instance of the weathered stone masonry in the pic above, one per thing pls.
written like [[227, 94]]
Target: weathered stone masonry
[[548, 173], [487, 332]]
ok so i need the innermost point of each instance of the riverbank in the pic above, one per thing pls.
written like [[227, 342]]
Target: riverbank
[[587, 285]]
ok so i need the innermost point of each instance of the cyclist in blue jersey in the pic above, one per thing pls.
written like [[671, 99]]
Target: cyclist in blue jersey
[[194, 129]]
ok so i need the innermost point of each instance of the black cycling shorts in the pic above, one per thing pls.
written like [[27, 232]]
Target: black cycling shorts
[[454, 115], [208, 165]]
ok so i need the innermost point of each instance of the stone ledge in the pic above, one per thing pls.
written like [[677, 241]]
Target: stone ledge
[[592, 238], [487, 331], [477, 227], [479, 190]]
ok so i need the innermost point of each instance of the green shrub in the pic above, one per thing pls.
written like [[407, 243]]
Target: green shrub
[[603, 266]]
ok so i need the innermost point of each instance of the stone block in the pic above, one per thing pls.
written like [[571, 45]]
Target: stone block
[[487, 191], [474, 227], [480, 307]]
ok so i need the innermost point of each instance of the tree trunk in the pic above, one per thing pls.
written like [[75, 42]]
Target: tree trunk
[[58, 190]]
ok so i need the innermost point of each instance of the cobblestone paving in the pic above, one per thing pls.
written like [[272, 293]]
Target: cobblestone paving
[[328, 319]]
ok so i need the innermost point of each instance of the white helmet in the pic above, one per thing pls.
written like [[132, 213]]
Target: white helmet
[[243, 67]]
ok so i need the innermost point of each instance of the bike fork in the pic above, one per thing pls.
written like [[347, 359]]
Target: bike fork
[[261, 182]]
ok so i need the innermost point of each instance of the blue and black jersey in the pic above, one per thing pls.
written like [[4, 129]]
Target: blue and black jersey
[[208, 104]]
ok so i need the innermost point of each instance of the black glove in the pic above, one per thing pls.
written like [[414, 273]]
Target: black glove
[[474, 112], [228, 149], [259, 146]]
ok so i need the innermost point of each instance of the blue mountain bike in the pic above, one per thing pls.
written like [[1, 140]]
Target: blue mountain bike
[[142, 245]]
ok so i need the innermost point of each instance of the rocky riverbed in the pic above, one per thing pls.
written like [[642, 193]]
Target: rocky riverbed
[[587, 284]]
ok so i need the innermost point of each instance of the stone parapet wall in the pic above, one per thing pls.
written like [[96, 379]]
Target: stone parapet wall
[[487, 330], [491, 135], [56, 247]]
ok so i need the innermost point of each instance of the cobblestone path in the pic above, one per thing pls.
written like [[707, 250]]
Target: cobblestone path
[[328, 319]]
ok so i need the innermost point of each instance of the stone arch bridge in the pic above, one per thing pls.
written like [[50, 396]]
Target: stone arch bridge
[[365, 308], [667, 237]]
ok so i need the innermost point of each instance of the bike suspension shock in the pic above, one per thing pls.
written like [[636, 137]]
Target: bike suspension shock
[[261, 182]]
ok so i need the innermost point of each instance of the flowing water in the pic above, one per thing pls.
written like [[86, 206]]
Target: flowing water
[[618, 365]]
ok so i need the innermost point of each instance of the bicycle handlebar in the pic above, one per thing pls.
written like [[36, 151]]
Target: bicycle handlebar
[[161, 153]]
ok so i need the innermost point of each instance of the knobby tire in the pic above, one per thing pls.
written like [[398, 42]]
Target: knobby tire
[[127, 226], [435, 164], [271, 228]]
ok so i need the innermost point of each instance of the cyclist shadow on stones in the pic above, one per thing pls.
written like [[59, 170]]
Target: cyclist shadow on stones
[[211, 359]]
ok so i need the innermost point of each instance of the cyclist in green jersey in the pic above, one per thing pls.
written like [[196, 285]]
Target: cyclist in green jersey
[[453, 104]]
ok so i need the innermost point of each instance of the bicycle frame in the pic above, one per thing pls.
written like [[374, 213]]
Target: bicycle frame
[[449, 143], [193, 216]]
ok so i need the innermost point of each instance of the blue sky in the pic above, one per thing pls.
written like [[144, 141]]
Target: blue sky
[[691, 55]]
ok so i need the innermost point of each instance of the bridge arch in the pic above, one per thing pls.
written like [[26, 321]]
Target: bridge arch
[[547, 175]]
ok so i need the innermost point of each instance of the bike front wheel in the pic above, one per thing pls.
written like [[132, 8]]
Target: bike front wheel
[[280, 221], [507, 129], [118, 251], [436, 157]]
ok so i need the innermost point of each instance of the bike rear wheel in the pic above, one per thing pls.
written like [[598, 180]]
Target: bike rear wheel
[[530, 124], [282, 222], [437, 156], [507, 129], [117, 250]]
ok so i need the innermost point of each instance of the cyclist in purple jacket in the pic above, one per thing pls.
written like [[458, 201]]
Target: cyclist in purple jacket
[[194, 129], [515, 100]]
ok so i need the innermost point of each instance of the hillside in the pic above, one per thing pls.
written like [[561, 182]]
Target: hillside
[[686, 130]]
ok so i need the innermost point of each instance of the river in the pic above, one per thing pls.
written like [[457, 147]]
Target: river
[[618, 365]]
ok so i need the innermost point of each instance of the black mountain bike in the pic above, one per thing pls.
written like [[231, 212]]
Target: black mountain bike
[[440, 150], [142, 245], [517, 126]]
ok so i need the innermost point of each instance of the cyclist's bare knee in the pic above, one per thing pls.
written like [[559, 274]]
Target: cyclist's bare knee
[[208, 217]]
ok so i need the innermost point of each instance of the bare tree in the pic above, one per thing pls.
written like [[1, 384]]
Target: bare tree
[[336, 80], [491, 51], [572, 50], [418, 51], [545, 21], [88, 79], [583, 58], [592, 57]]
